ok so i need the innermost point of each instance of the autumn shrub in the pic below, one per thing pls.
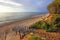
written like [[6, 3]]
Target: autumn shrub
[[34, 37]]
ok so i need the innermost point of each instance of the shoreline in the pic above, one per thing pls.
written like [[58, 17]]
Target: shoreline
[[9, 22], [26, 22]]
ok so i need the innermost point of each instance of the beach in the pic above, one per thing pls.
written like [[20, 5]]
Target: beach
[[26, 22], [10, 35]]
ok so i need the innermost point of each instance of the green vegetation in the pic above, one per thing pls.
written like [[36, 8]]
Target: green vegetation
[[54, 7], [34, 37], [57, 20], [37, 25], [43, 25], [48, 26]]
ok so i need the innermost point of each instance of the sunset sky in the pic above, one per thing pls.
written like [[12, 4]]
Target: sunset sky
[[24, 5]]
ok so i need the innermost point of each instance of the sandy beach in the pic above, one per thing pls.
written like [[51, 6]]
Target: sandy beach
[[26, 22]]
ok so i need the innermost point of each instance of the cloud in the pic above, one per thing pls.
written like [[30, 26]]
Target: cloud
[[10, 6], [11, 2], [27, 5], [35, 5]]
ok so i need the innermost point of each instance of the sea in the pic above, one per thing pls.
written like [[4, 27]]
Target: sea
[[15, 16]]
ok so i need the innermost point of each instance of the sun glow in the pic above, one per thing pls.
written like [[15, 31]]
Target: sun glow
[[6, 9]]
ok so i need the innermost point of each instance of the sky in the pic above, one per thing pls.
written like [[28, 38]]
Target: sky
[[24, 5]]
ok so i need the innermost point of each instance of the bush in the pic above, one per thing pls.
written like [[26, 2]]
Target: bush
[[37, 25], [57, 22], [34, 26], [48, 27], [54, 7], [43, 25], [34, 37]]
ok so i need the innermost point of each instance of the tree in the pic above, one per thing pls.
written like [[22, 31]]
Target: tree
[[54, 7]]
